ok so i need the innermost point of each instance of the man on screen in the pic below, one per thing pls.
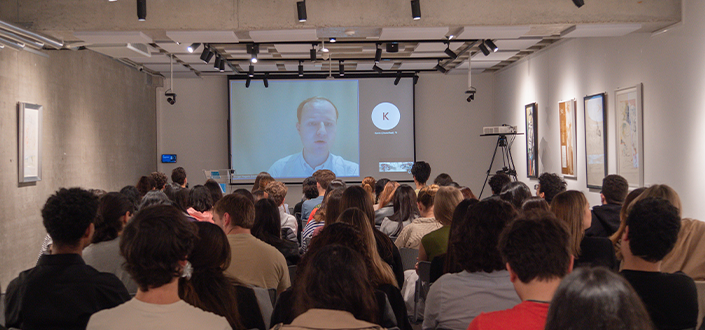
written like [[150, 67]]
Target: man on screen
[[317, 126]]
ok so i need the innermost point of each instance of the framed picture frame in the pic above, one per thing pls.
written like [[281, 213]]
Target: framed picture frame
[[532, 140], [29, 142], [569, 155], [595, 139], [629, 123]]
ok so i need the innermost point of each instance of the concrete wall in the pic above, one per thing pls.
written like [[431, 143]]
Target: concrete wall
[[671, 69], [98, 132], [447, 128]]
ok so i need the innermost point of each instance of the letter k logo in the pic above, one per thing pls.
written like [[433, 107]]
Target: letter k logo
[[384, 115]]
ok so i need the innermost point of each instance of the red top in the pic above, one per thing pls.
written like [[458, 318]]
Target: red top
[[528, 315]]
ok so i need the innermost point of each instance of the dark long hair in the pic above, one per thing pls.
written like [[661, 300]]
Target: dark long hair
[[209, 288], [405, 206], [451, 264], [596, 298], [268, 224], [200, 198], [336, 278], [112, 206]]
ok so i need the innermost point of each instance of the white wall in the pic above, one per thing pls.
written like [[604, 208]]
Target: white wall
[[447, 127], [672, 71]]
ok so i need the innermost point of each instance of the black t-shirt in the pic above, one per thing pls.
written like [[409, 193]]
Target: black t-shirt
[[596, 251], [670, 299]]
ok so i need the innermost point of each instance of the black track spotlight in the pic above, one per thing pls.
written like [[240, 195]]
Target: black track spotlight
[[398, 78], [341, 68], [142, 10], [378, 69], [416, 77], [484, 49], [253, 49], [416, 9], [265, 80], [578, 3], [449, 52], [440, 68], [247, 82], [207, 55], [251, 72], [301, 10], [192, 48], [313, 53], [216, 64], [301, 69], [491, 45], [221, 68], [378, 54]]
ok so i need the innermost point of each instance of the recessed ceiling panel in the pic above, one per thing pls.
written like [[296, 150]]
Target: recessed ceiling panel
[[156, 58], [418, 65], [385, 65], [283, 35], [202, 36], [191, 58], [478, 64], [270, 66], [515, 44], [120, 50], [208, 68], [289, 48], [112, 37], [493, 32], [307, 66], [165, 67], [175, 48], [429, 54], [436, 47], [600, 30], [498, 56], [413, 33]]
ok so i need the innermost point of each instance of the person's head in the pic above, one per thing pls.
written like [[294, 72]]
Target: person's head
[[97, 192], [336, 278], [515, 193], [178, 176], [498, 181], [421, 171], [388, 193], [155, 245], [623, 212], [114, 209], [259, 194], [614, 189], [323, 178], [368, 183], [234, 210], [332, 207], [181, 199], [154, 197], [338, 233], [211, 250], [535, 246], [535, 203], [261, 181], [450, 264], [379, 187], [473, 243], [200, 198], [214, 189], [443, 179], [404, 204], [573, 209], [68, 217], [276, 191], [426, 197], [651, 229], [467, 193], [550, 185], [355, 196], [447, 198], [267, 219], [160, 180], [245, 193], [133, 194], [145, 184], [317, 125], [596, 298], [309, 188]]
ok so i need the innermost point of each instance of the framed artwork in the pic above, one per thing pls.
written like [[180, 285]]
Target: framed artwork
[[595, 140], [30, 142], [566, 110], [532, 140], [630, 141]]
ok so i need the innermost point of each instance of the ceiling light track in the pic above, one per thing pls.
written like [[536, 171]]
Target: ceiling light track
[[31, 35]]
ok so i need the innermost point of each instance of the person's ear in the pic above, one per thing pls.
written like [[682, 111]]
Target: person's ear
[[603, 200], [88, 234], [125, 218], [512, 275], [226, 220], [542, 195], [298, 127], [570, 265], [625, 234]]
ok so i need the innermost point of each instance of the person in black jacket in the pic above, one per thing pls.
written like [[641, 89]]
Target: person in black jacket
[[605, 217]]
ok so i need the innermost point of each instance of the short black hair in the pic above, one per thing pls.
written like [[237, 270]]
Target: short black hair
[[154, 242], [443, 179], [246, 193], [536, 246], [615, 189], [515, 193], [309, 187], [178, 175], [653, 225], [498, 181], [421, 171], [67, 214], [551, 185], [200, 198], [133, 194]]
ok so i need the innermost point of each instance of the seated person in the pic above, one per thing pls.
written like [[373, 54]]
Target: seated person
[[651, 231], [253, 262], [267, 228], [435, 243], [62, 292], [605, 217], [405, 210], [277, 193], [410, 237], [385, 208], [201, 202], [484, 283], [536, 252], [550, 185], [443, 180], [323, 179], [156, 244], [497, 182], [420, 171]]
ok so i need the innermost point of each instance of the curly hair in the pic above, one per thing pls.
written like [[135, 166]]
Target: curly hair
[[550, 184], [67, 214], [653, 224], [498, 181], [421, 171], [276, 191], [160, 179], [154, 242]]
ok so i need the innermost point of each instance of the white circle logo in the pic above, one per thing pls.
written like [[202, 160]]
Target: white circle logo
[[386, 116]]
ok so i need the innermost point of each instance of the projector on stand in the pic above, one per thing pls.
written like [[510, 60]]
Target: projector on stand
[[499, 129]]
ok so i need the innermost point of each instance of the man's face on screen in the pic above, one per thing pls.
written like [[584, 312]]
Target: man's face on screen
[[317, 127]]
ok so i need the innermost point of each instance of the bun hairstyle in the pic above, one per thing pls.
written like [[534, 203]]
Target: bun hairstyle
[[108, 223], [368, 183]]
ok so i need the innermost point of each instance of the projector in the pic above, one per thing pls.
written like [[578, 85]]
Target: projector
[[499, 130]]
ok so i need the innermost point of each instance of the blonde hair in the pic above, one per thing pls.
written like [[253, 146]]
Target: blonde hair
[[427, 194], [276, 191], [388, 193], [569, 207], [368, 183], [447, 198]]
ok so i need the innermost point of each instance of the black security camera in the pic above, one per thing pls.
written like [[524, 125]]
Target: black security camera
[[170, 97], [471, 93]]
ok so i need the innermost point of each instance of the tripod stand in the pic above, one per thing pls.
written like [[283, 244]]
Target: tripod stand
[[507, 159]]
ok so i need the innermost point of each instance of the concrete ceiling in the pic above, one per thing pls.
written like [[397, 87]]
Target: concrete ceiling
[[519, 28]]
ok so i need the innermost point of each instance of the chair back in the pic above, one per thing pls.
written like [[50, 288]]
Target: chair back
[[424, 271], [700, 285], [408, 257], [292, 274], [266, 301]]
